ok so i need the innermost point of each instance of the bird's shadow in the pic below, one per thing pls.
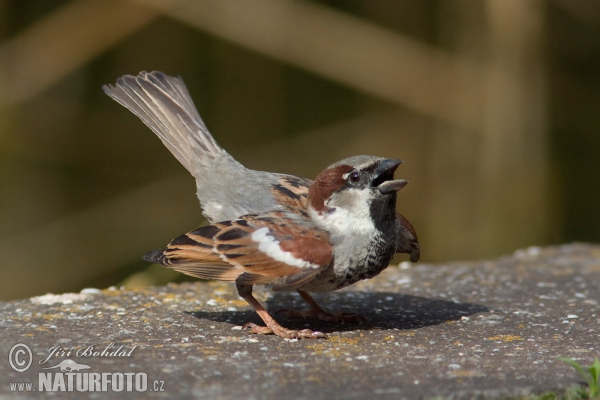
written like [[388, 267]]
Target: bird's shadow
[[381, 310]]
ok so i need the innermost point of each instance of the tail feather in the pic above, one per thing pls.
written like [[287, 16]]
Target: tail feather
[[156, 256], [176, 260], [164, 104]]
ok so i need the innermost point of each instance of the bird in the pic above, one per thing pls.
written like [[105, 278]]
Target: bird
[[284, 231]]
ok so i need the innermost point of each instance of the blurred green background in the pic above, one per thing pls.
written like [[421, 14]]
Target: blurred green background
[[493, 105]]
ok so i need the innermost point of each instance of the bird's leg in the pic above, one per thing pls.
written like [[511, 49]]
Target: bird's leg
[[245, 292], [315, 311]]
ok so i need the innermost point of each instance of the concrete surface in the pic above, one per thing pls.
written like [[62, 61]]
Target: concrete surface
[[490, 329]]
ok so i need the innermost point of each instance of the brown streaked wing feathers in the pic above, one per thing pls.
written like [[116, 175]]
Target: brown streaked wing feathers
[[408, 242], [225, 251], [292, 192], [295, 235], [219, 272]]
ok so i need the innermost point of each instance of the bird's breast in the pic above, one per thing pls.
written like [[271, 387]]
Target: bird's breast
[[356, 258]]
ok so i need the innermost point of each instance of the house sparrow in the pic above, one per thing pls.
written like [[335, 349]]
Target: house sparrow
[[268, 228]]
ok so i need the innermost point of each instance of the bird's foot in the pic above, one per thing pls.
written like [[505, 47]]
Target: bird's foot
[[346, 318], [280, 331]]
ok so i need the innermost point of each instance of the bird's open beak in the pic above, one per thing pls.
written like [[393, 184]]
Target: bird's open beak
[[385, 177]]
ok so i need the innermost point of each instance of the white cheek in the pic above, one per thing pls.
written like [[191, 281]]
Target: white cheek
[[268, 245], [344, 221]]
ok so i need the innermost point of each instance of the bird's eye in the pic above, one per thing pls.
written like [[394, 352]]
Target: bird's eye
[[354, 177]]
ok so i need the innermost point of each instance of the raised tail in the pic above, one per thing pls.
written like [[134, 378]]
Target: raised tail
[[226, 189], [163, 103]]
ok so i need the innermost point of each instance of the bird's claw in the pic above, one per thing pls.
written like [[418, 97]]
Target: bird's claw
[[284, 332]]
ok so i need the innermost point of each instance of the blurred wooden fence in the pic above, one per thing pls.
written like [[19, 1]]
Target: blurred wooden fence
[[459, 89]]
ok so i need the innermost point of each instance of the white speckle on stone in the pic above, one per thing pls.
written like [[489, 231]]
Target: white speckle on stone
[[403, 281], [65, 298], [546, 284], [388, 391], [231, 309], [532, 251], [362, 357], [236, 328], [211, 302], [185, 340], [90, 291], [572, 316], [454, 366], [405, 265]]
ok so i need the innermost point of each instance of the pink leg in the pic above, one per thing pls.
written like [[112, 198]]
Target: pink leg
[[245, 291]]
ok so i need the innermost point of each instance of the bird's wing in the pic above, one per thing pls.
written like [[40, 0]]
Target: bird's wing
[[408, 242], [276, 248]]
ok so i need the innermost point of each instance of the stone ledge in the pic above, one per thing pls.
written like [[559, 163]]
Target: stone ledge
[[492, 329]]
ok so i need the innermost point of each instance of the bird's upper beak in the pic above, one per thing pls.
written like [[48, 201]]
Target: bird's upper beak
[[385, 177]]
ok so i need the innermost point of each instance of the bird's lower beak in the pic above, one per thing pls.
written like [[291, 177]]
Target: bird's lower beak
[[391, 186], [385, 175]]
